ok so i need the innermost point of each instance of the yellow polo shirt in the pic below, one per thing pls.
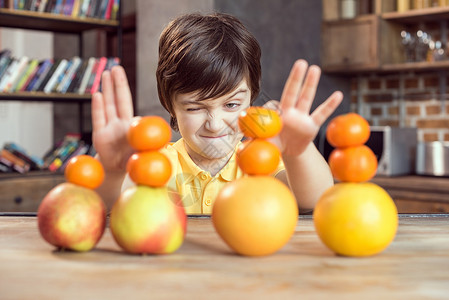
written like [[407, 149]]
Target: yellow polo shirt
[[197, 188]]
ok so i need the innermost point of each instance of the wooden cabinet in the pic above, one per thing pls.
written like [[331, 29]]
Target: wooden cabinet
[[417, 194], [351, 44], [372, 42], [24, 193]]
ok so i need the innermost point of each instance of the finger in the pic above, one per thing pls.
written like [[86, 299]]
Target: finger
[[122, 93], [108, 96], [273, 104], [309, 89], [322, 112], [293, 84], [97, 111]]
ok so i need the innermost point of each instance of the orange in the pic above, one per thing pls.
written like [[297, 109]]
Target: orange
[[255, 215], [356, 219], [348, 130], [260, 122], [150, 168], [353, 164], [148, 133], [258, 157], [84, 170]]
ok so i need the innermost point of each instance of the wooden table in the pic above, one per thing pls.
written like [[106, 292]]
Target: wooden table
[[414, 266]]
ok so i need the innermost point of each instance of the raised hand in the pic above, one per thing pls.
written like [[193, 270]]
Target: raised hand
[[112, 111], [300, 126]]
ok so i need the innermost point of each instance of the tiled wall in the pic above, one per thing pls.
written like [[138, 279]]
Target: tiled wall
[[424, 104]]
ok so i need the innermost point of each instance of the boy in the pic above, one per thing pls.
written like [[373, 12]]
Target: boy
[[208, 72]]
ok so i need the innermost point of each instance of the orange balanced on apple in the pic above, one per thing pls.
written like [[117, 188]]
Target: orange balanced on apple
[[257, 214], [148, 218], [72, 215], [354, 217]]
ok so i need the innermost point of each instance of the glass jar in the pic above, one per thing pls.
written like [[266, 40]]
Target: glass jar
[[348, 9]]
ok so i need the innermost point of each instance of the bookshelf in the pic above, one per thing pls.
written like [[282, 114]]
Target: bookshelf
[[58, 23]]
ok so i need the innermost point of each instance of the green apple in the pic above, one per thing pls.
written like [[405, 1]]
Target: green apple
[[72, 217], [148, 220]]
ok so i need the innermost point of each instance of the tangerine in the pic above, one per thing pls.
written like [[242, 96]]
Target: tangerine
[[255, 215], [148, 133], [353, 164], [84, 170], [150, 168], [258, 157], [356, 219], [348, 130], [260, 122]]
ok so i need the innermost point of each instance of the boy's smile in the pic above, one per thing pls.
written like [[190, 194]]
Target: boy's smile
[[209, 127]]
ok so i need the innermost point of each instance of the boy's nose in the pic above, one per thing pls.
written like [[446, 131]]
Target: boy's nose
[[214, 122]]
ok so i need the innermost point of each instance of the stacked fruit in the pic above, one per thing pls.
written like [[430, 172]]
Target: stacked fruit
[[148, 218], [72, 215], [354, 217], [256, 214]]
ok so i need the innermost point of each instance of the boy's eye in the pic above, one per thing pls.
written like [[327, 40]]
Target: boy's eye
[[232, 105], [193, 109]]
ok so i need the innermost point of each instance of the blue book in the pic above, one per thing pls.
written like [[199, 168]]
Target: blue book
[[39, 76]]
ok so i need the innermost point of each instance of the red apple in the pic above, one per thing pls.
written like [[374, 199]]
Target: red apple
[[72, 217], [148, 220]]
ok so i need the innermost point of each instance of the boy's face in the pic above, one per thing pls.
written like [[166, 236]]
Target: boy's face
[[210, 127]]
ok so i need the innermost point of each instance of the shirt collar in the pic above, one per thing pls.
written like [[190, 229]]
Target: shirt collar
[[227, 173]]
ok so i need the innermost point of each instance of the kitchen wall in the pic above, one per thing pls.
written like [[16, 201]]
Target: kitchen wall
[[422, 105], [286, 30]]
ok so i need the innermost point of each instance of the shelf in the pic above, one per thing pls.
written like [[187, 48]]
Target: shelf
[[52, 22], [44, 97], [390, 68], [418, 15]]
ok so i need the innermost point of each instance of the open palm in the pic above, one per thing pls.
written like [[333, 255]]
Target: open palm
[[112, 112], [300, 126]]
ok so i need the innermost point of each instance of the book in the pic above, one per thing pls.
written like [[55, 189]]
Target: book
[[5, 59], [100, 68], [75, 83], [34, 162], [107, 14], [53, 81], [115, 10], [83, 9], [76, 8], [62, 75], [82, 148], [58, 7], [68, 77], [68, 7], [42, 6], [102, 9], [87, 74], [16, 74], [7, 74], [40, 75], [50, 6], [31, 67], [47, 77], [17, 163], [30, 77]]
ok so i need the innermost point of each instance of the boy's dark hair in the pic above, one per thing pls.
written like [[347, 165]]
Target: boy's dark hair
[[208, 54]]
